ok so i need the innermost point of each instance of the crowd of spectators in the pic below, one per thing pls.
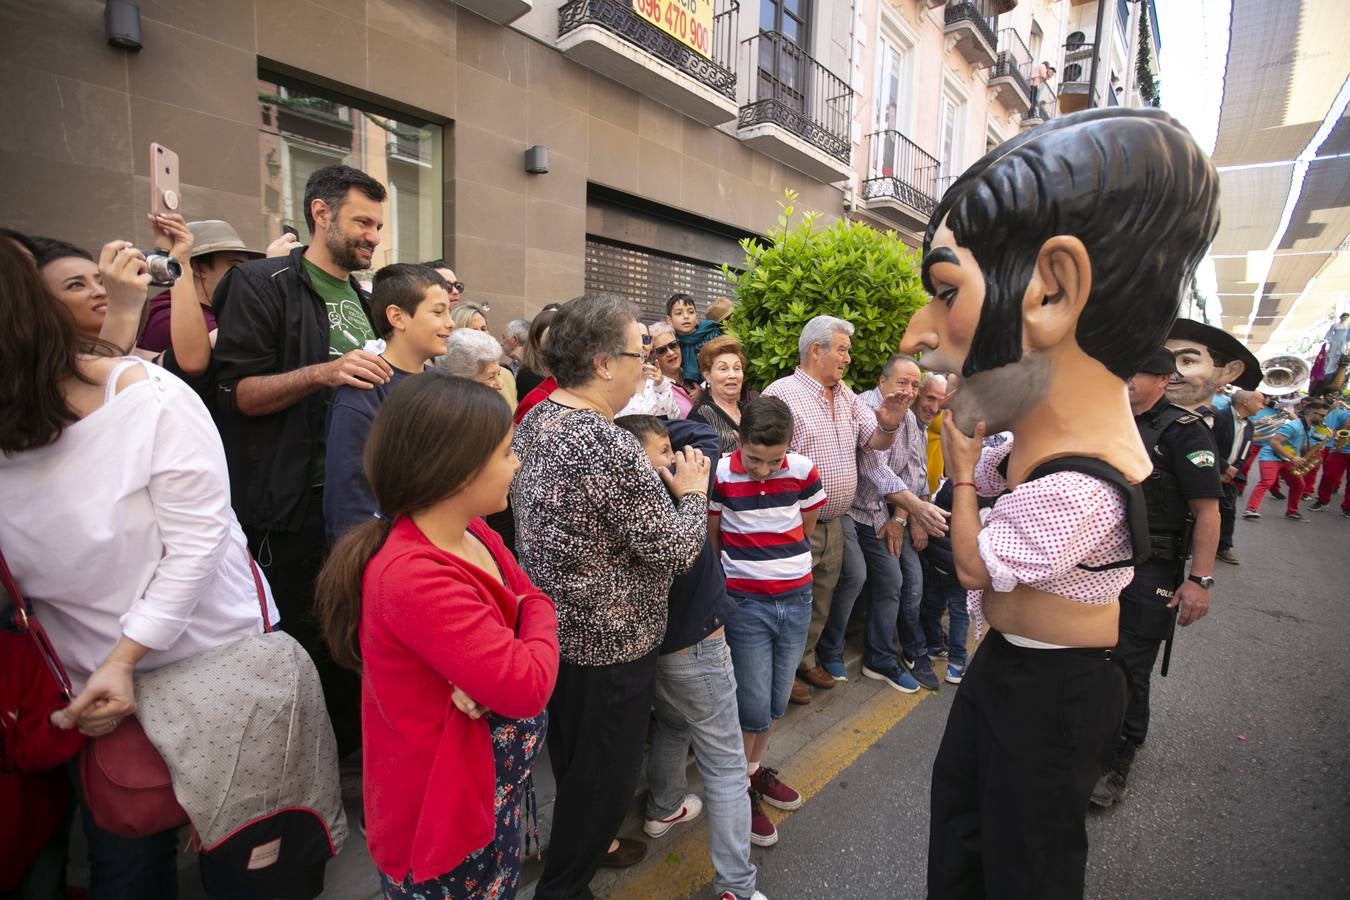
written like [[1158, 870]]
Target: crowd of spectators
[[691, 546]]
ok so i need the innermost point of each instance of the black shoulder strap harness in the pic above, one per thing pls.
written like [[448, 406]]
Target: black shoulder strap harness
[[1136, 512]]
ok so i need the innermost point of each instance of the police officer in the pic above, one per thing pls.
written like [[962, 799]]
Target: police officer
[[1182, 495]]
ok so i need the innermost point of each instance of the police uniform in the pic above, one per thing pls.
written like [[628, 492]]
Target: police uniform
[[1185, 467]]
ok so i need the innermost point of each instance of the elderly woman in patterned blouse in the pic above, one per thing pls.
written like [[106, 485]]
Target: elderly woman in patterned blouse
[[599, 532]]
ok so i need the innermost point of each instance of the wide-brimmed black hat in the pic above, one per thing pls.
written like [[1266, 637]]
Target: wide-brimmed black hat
[[1223, 342], [1160, 362]]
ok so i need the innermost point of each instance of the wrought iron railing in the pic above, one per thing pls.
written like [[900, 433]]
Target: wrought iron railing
[[943, 183], [899, 170], [978, 13], [789, 88], [1014, 60], [1044, 104], [717, 72], [1077, 62]]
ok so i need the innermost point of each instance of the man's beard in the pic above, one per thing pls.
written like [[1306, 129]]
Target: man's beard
[[1186, 394], [1002, 397], [343, 250]]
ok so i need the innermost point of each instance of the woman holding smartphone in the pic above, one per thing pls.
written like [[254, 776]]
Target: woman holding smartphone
[[458, 650]]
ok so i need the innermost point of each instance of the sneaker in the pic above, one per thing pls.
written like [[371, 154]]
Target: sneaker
[[772, 791], [1229, 557], [955, 673], [1277, 494], [937, 653], [1297, 517], [1251, 514], [688, 812], [1318, 506], [835, 669], [1346, 513], [894, 676], [762, 832], [923, 673], [728, 895]]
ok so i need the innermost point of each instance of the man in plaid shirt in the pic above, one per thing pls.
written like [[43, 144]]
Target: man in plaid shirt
[[830, 426]]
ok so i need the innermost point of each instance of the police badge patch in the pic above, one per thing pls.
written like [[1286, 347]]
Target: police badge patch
[[1201, 459]]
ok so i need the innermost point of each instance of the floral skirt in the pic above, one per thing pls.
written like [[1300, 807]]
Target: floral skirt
[[494, 871]]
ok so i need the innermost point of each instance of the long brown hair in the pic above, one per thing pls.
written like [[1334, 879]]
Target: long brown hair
[[431, 436], [38, 351], [533, 358]]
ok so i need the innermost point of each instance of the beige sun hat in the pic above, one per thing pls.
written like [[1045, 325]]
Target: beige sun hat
[[215, 236]]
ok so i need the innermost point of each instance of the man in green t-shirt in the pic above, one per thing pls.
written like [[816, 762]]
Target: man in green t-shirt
[[290, 330]]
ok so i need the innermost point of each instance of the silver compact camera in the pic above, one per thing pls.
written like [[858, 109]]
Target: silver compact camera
[[164, 269]]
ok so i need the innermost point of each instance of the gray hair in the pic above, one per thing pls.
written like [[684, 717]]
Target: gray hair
[[518, 329], [820, 332], [468, 352], [586, 327], [661, 327], [927, 377], [898, 358]]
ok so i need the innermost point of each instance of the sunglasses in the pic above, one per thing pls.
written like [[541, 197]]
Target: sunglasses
[[665, 349], [456, 286]]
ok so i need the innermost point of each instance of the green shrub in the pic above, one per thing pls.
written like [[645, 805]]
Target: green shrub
[[849, 270]]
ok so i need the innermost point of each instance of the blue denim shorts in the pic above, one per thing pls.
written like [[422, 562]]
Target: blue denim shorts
[[767, 636]]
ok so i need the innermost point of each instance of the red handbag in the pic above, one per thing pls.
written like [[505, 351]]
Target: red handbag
[[126, 783]]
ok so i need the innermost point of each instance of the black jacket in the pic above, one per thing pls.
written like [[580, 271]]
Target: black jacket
[[699, 603], [1226, 432], [270, 321]]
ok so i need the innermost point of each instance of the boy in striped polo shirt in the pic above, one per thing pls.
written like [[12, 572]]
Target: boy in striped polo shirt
[[761, 512]]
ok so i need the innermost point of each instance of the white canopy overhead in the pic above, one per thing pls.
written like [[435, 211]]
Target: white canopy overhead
[[1283, 153]]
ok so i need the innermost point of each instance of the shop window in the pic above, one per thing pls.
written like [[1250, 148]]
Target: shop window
[[648, 279], [303, 129]]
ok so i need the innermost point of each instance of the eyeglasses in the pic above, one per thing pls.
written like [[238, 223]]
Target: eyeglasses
[[456, 286], [666, 348], [637, 356]]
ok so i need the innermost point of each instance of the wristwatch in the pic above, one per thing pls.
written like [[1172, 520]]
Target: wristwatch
[[1205, 581]]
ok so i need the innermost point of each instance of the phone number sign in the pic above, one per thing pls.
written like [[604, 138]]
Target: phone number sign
[[688, 21]]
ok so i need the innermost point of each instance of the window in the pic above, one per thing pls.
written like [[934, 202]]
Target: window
[[648, 278], [1037, 39], [950, 136], [304, 129], [783, 61]]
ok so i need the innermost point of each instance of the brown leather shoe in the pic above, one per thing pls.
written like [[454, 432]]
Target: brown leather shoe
[[630, 853], [817, 677], [801, 694]]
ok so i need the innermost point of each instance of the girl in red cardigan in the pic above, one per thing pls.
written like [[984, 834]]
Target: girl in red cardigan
[[458, 650]]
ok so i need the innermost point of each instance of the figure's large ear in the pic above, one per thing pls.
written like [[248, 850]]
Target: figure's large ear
[[1056, 294], [1232, 371]]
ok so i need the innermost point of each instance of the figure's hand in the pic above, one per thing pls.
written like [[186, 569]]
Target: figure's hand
[[171, 231], [930, 519], [465, 704], [108, 697], [356, 368], [1194, 602], [959, 452], [283, 245], [690, 475]]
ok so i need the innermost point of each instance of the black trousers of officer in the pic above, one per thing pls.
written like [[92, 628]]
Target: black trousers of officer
[[1227, 517], [1144, 623], [1026, 738]]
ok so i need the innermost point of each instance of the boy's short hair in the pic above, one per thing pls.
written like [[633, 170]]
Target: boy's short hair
[[766, 421], [643, 427], [680, 298], [403, 285]]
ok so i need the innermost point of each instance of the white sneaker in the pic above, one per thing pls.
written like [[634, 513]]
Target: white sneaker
[[689, 811], [728, 895]]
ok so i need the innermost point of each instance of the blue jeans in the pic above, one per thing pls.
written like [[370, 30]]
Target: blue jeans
[[942, 591], [853, 575], [695, 700], [767, 636], [897, 586]]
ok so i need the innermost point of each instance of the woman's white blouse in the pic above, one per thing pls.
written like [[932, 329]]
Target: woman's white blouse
[[123, 526]]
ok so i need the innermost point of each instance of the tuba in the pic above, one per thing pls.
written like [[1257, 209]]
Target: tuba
[[1283, 375]]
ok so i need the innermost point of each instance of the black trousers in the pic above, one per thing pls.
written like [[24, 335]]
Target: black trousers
[[291, 561], [1227, 517], [597, 723], [1026, 738], [1144, 624]]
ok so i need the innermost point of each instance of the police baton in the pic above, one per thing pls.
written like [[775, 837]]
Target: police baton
[[1178, 577]]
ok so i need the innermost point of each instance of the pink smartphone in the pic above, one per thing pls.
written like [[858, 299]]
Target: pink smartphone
[[164, 196]]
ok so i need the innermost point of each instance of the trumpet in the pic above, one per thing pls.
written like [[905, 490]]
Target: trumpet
[[1341, 438]]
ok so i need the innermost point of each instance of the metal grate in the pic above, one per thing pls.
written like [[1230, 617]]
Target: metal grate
[[648, 279]]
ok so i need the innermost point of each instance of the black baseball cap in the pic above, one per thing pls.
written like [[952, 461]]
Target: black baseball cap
[[1159, 362]]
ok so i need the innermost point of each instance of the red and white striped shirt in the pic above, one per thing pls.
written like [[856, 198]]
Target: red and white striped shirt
[[765, 550]]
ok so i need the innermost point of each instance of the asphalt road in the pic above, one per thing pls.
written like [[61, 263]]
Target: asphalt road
[[1242, 790]]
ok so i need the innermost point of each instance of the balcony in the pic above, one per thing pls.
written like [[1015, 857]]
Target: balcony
[[609, 37], [1044, 102], [901, 183], [969, 28], [502, 12], [1076, 73], [1009, 79], [998, 6], [797, 111]]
